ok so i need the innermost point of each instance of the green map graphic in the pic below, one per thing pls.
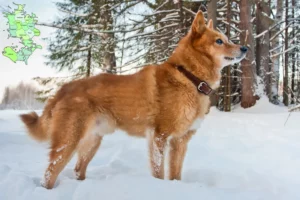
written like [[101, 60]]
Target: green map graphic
[[21, 26]]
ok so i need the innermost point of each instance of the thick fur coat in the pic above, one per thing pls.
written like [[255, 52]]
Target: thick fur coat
[[158, 102]]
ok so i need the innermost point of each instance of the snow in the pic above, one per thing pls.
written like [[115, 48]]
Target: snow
[[247, 154], [61, 148], [263, 107]]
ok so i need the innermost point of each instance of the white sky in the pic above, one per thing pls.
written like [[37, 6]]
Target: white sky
[[12, 73]]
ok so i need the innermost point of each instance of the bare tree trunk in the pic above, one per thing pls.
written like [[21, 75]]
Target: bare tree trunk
[[293, 57], [104, 13], [212, 11], [212, 14], [110, 57], [286, 60], [276, 59], [263, 45], [248, 64], [181, 23], [89, 59], [227, 91], [298, 84]]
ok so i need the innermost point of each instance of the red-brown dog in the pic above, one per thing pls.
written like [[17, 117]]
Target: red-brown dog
[[165, 102]]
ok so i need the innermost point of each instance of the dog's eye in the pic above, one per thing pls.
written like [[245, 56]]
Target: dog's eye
[[219, 41]]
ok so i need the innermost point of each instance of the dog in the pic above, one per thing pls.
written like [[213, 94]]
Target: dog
[[165, 103]]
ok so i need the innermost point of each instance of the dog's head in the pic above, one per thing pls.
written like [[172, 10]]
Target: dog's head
[[204, 39]]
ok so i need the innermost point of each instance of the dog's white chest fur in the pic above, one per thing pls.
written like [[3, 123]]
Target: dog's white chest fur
[[196, 124]]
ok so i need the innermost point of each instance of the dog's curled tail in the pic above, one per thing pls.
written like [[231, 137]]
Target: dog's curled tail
[[34, 126]]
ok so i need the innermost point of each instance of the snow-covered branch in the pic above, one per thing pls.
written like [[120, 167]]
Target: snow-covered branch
[[289, 49]]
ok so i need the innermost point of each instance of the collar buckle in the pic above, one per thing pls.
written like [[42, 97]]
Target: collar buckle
[[203, 87], [200, 86]]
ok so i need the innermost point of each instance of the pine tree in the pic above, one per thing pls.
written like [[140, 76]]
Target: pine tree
[[6, 96], [71, 49], [159, 30], [83, 41]]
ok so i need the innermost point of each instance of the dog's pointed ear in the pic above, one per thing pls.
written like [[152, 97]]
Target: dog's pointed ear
[[210, 24], [198, 25]]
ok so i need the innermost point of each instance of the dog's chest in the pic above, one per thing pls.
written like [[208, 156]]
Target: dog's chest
[[200, 109]]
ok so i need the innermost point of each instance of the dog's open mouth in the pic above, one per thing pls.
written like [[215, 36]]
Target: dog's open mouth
[[229, 58]]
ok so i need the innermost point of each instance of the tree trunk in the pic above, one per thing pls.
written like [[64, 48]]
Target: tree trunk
[[263, 45], [110, 57], [212, 11], [276, 59], [181, 22], [286, 60], [227, 90], [212, 14], [294, 57], [248, 64], [89, 59], [104, 13]]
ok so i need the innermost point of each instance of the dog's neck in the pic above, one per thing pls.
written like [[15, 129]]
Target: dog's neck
[[201, 85], [201, 66]]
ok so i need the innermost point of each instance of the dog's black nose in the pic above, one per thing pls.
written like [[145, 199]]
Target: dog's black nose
[[244, 49]]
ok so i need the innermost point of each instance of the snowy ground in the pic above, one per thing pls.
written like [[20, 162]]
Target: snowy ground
[[235, 155]]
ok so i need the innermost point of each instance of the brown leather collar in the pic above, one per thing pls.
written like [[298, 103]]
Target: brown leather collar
[[201, 86]]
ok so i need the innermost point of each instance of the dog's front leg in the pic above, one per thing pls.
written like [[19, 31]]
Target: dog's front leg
[[157, 143], [178, 147]]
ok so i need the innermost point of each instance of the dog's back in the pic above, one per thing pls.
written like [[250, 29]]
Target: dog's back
[[129, 100]]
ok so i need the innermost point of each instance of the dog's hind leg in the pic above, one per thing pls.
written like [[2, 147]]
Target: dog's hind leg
[[178, 147], [87, 148], [65, 138], [157, 144]]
